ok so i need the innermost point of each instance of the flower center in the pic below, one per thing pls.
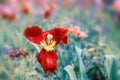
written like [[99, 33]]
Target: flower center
[[48, 44]]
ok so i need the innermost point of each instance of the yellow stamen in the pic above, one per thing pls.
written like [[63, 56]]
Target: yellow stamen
[[49, 43]]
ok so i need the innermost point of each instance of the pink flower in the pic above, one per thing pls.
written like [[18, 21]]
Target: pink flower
[[77, 32], [116, 5]]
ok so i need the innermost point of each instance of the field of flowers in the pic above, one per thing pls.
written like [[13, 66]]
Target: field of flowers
[[59, 39]]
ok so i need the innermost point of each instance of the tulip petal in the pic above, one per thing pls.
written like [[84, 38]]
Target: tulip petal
[[65, 40], [34, 34], [48, 60], [58, 34]]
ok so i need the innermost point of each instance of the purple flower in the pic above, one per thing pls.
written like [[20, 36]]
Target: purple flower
[[15, 52]]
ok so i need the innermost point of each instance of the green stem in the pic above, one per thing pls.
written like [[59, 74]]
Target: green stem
[[36, 46]]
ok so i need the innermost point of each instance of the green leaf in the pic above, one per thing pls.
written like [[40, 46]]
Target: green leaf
[[81, 65], [111, 65], [70, 71]]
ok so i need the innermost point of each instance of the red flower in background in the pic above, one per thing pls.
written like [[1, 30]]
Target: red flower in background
[[49, 8], [25, 6], [49, 39], [47, 11], [8, 13]]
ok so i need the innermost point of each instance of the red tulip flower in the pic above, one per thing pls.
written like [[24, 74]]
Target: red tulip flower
[[49, 39]]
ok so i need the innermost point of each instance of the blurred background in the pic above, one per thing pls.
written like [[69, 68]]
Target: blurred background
[[100, 19]]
